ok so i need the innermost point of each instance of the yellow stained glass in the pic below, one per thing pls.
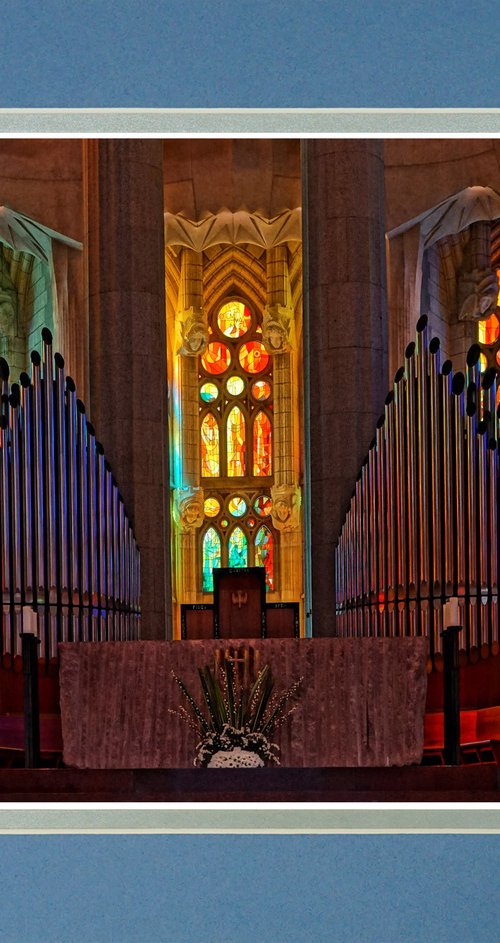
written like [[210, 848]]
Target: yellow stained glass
[[237, 506], [234, 319], [253, 357], [236, 445], [210, 464], [211, 507], [216, 358], [489, 330], [483, 363], [262, 445], [235, 386]]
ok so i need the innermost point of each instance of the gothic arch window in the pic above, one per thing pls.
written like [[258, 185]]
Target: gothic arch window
[[236, 443]]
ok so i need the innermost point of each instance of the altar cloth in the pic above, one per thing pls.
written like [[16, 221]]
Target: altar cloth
[[361, 702]]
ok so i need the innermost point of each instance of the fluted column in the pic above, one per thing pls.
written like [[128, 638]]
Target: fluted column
[[347, 338], [127, 362]]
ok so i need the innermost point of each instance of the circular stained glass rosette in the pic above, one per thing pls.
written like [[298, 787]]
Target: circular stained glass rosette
[[234, 319], [489, 330], [263, 505], [261, 390], [237, 507], [209, 392], [235, 386], [254, 357], [224, 522], [211, 507], [216, 358]]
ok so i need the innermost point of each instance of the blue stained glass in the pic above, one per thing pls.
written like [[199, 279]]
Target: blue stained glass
[[237, 548], [211, 558]]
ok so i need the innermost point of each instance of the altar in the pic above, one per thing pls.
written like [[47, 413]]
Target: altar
[[361, 703]]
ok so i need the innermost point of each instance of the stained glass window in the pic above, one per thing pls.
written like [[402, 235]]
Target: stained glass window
[[237, 506], [253, 357], [264, 554], [489, 330], [216, 358], [237, 548], [211, 558], [236, 439], [234, 319], [236, 445], [210, 464], [262, 446]]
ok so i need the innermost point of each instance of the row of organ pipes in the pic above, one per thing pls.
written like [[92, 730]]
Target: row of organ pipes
[[423, 521], [68, 553]]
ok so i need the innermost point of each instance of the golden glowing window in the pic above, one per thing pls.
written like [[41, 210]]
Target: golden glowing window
[[236, 444], [488, 336]]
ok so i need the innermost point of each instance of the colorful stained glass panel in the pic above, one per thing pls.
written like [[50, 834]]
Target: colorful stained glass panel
[[237, 506], [211, 507], [261, 390], [236, 446], [209, 392], [262, 445], [263, 505], [489, 330], [253, 357], [235, 386], [234, 319], [264, 554], [210, 464], [211, 558], [216, 358], [237, 548]]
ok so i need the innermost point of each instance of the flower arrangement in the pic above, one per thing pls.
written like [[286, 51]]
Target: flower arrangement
[[236, 720]]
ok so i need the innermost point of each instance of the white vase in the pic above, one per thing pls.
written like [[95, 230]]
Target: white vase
[[235, 759]]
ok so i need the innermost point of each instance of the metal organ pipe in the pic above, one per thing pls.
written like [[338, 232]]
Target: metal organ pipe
[[66, 546]]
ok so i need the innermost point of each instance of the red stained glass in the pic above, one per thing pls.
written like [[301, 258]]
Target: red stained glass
[[236, 446], [210, 464], [253, 357], [262, 445], [489, 330], [264, 554], [216, 358]]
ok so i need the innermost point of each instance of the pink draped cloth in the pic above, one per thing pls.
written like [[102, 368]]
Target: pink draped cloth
[[362, 701]]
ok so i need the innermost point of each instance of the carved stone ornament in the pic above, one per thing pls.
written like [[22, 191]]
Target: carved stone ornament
[[188, 508], [286, 507], [277, 329], [194, 332], [7, 313], [477, 295]]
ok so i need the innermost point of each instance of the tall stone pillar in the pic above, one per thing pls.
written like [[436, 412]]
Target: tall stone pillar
[[346, 305], [127, 362]]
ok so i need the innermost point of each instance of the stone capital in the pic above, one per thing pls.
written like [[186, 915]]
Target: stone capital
[[194, 331], [477, 294], [277, 328], [188, 508], [286, 507]]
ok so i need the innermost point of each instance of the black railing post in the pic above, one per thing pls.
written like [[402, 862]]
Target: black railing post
[[30, 645], [451, 683]]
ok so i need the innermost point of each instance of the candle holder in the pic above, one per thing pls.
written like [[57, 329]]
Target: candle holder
[[451, 694]]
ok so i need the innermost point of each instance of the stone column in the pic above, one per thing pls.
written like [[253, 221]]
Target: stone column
[[127, 362], [346, 304]]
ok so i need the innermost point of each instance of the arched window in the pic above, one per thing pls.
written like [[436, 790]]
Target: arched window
[[236, 443]]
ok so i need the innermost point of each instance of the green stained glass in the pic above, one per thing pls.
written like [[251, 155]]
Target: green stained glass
[[237, 506], [209, 392], [264, 554], [263, 505], [237, 548], [211, 558]]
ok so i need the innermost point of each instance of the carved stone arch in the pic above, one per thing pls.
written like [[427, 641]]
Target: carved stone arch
[[235, 271]]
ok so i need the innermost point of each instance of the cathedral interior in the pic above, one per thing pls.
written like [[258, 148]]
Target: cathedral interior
[[273, 339]]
